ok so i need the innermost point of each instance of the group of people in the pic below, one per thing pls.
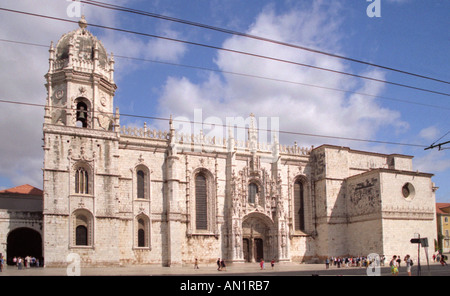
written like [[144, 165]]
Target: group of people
[[366, 262], [396, 262], [26, 262], [262, 265], [360, 261], [221, 265], [439, 257]]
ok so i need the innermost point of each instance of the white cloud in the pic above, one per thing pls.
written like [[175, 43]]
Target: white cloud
[[434, 161], [22, 76], [430, 133], [299, 108], [165, 50]]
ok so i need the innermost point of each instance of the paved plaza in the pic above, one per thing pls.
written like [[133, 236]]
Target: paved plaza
[[244, 269]]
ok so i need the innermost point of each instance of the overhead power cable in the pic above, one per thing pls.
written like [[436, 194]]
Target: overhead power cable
[[226, 126], [232, 32], [252, 76], [234, 51], [442, 137], [439, 145]]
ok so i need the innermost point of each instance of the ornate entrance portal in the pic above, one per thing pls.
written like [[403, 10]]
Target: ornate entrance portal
[[256, 236]]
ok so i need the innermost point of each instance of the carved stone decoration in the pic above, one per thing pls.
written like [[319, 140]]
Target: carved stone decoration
[[105, 122], [82, 91], [319, 165], [365, 196], [237, 230], [59, 117], [59, 94], [81, 156]]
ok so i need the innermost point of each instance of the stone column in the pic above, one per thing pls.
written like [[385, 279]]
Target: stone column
[[173, 214]]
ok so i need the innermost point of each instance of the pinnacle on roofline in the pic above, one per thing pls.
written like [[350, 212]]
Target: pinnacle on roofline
[[82, 23]]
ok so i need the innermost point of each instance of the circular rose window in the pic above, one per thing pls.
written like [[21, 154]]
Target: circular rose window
[[408, 191]]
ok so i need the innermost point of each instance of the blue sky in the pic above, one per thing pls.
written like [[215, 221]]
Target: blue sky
[[410, 35]]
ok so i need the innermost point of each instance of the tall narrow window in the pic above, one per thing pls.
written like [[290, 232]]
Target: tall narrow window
[[299, 209], [81, 181], [140, 184], [81, 235], [201, 203], [252, 192], [141, 233]]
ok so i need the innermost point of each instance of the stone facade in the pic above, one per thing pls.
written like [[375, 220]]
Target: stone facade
[[119, 195]]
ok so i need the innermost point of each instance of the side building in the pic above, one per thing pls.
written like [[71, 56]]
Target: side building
[[21, 226], [443, 226]]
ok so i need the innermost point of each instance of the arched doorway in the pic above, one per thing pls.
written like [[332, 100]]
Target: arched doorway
[[257, 238], [22, 242]]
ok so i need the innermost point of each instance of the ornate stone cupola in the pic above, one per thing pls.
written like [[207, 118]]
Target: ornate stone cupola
[[80, 82]]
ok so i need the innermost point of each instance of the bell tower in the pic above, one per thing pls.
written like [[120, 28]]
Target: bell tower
[[81, 144], [80, 82]]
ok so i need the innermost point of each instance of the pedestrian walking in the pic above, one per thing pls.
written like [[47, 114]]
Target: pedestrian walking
[[196, 264], [442, 261], [327, 263], [19, 263], [222, 265], [218, 264], [394, 266], [272, 263], [409, 264], [399, 260], [261, 264]]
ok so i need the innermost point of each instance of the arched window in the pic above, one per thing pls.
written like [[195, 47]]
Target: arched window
[[201, 202], [141, 238], [82, 228], [299, 206], [81, 234], [81, 181], [142, 182], [143, 231], [252, 192]]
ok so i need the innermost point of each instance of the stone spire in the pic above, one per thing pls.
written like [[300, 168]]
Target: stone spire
[[252, 134]]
